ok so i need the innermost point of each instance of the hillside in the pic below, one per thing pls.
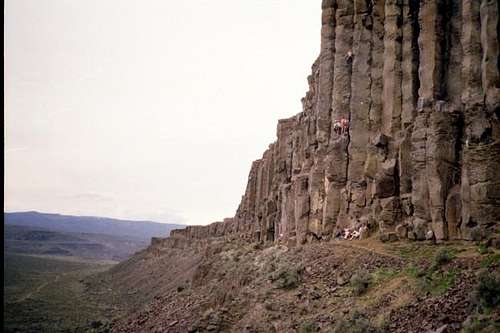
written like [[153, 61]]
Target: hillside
[[144, 230], [339, 286]]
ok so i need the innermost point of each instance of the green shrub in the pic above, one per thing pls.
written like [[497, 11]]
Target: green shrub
[[414, 272], [360, 282], [433, 280], [382, 274], [441, 258], [287, 277], [486, 294], [357, 323], [308, 328], [482, 248], [473, 326], [478, 324], [437, 283], [490, 261]]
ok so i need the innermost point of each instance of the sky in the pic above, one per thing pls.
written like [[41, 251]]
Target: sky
[[148, 109]]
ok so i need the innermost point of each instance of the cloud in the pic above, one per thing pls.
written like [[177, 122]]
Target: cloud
[[90, 197]]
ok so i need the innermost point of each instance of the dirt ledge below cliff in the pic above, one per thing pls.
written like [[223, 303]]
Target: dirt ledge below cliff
[[217, 286]]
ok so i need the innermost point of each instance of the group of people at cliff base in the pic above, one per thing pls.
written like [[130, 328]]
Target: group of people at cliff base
[[350, 234], [341, 127]]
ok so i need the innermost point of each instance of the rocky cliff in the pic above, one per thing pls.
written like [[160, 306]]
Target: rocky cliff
[[399, 133]]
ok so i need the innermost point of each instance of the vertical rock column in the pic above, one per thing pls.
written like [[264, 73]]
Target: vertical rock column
[[453, 75], [360, 101], [480, 186], [270, 203], [322, 117], [336, 164], [490, 41], [392, 75], [326, 61], [490, 65], [316, 199], [376, 70], [451, 130], [386, 180], [440, 141], [248, 212], [478, 161], [283, 171], [287, 218], [375, 154], [429, 85], [409, 91], [301, 206], [410, 62]]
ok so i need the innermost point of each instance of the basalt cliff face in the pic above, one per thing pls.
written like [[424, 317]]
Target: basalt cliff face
[[418, 84]]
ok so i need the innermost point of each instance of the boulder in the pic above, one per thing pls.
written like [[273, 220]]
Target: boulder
[[402, 231], [364, 232]]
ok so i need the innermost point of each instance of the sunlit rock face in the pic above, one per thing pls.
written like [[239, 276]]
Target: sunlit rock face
[[399, 134]]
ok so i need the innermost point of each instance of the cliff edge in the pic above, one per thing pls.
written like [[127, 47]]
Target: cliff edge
[[399, 132]]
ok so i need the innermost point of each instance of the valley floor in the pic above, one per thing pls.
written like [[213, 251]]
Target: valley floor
[[46, 293]]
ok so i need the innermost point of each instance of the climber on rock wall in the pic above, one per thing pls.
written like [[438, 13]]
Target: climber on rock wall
[[348, 56], [344, 123], [337, 127], [341, 126]]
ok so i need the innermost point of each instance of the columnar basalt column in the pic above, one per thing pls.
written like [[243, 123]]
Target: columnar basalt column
[[360, 101], [301, 206], [326, 61], [392, 74]]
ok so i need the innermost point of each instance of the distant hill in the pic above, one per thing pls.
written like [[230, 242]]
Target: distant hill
[[28, 240], [143, 230]]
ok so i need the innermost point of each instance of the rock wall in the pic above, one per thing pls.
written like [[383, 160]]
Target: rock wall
[[418, 84]]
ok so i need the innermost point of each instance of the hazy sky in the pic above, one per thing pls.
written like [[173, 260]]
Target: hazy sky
[[148, 109]]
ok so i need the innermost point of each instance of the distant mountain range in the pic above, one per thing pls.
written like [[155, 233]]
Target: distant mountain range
[[142, 230], [38, 241], [78, 236]]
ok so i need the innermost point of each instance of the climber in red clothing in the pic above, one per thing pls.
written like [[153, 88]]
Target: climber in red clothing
[[344, 123]]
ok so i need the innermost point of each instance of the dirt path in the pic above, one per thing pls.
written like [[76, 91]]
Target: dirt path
[[38, 289], [365, 245], [28, 295]]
